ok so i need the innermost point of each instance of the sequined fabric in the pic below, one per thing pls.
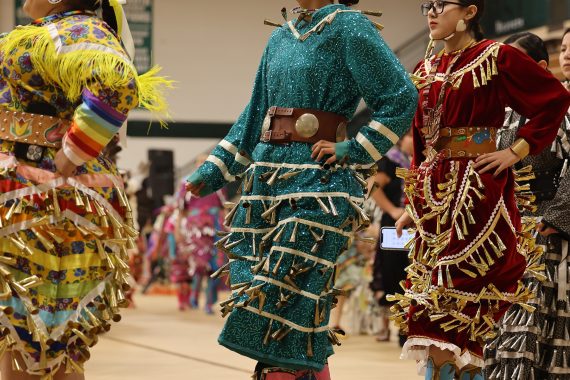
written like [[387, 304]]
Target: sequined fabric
[[296, 217]]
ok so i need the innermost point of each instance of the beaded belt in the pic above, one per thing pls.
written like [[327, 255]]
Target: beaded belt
[[31, 133], [466, 142], [33, 129]]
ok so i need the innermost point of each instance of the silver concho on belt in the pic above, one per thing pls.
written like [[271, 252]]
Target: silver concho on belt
[[266, 124], [307, 125], [34, 153]]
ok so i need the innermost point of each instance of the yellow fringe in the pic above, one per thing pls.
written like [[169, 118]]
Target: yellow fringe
[[73, 71]]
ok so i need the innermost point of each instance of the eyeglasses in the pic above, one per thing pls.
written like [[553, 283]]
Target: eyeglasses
[[437, 6]]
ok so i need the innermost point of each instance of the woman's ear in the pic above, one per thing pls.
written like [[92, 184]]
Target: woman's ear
[[543, 64], [471, 12]]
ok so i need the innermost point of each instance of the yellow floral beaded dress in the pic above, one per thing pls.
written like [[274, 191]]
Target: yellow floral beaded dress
[[63, 241]]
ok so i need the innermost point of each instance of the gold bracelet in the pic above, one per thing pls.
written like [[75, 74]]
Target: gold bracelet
[[520, 148]]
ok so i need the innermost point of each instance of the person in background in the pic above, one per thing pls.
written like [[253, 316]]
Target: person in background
[[179, 258], [351, 272], [196, 237], [389, 265], [533, 344]]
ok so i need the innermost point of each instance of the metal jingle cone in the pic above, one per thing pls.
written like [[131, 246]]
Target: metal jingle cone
[[248, 183], [248, 215], [322, 205], [16, 366], [271, 23], [103, 221], [223, 269], [281, 333], [317, 246], [122, 300], [293, 237], [257, 267], [55, 203], [87, 203], [279, 234], [348, 222], [360, 179], [310, 352], [289, 281], [78, 199], [273, 178], [278, 264], [268, 333], [12, 210], [289, 175], [283, 299], [230, 216], [48, 245], [230, 246], [268, 213], [31, 282], [84, 338]]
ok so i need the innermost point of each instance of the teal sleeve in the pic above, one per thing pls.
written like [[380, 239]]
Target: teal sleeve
[[232, 156], [386, 88], [196, 179]]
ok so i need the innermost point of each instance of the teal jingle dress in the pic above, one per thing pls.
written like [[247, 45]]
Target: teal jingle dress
[[295, 217]]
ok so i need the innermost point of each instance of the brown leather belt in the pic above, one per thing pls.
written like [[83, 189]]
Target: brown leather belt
[[33, 129], [284, 125], [466, 142]]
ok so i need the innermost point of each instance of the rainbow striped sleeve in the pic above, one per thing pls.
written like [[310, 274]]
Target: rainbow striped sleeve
[[94, 125]]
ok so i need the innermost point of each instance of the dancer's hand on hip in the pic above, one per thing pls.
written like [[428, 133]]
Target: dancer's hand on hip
[[404, 221], [324, 148], [499, 161], [195, 189], [64, 165]]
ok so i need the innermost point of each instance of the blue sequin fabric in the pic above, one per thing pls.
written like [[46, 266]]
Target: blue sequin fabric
[[295, 216]]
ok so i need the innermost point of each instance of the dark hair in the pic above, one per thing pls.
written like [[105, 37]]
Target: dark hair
[[89, 5], [566, 32], [348, 3], [532, 44], [109, 15], [475, 23]]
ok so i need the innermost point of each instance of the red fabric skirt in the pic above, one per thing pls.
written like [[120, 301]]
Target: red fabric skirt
[[469, 256]]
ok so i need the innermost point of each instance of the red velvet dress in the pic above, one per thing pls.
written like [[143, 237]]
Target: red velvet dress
[[471, 249]]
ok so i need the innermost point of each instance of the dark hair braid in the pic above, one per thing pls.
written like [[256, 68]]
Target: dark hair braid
[[475, 23]]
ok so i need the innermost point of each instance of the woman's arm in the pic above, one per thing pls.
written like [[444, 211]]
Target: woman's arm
[[534, 93], [379, 196], [385, 87]]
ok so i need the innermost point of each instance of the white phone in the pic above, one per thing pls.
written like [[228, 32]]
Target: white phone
[[391, 241]]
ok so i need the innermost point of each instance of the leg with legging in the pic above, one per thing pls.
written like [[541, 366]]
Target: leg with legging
[[195, 293], [440, 366], [211, 294]]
